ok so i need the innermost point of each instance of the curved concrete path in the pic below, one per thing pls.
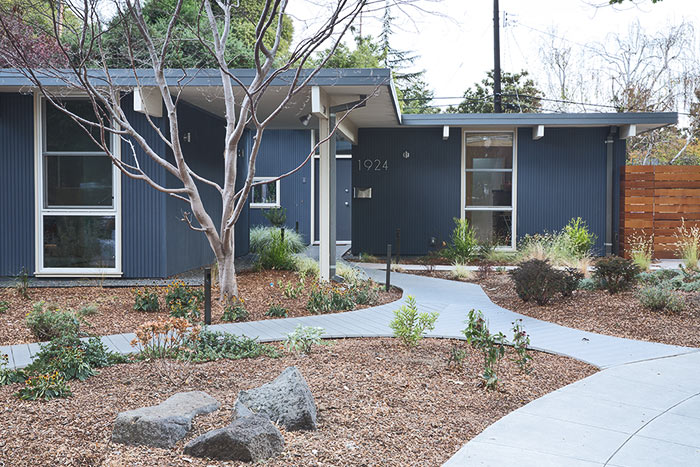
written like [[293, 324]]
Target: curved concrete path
[[643, 409]]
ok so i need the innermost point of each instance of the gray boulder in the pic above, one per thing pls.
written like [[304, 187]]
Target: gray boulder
[[164, 424], [287, 400], [248, 438]]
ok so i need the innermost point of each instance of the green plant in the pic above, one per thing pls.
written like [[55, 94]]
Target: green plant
[[409, 325], [276, 216], [659, 297], [51, 323], [276, 254], [570, 280], [536, 280], [303, 338], [217, 345], [367, 258], [615, 274], [88, 310], [4, 306], [262, 236], [463, 245], [22, 283], [166, 338], [559, 248], [456, 357], [579, 237], [327, 298], [688, 244], [46, 387], [364, 292], [276, 311], [350, 274], [290, 290], [641, 250], [146, 300], [235, 311], [184, 301], [461, 272], [521, 341], [306, 266], [8, 376], [492, 346], [588, 284]]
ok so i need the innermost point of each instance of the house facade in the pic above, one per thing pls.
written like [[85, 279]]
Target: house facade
[[66, 211]]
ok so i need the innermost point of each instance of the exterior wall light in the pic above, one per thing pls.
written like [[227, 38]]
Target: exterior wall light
[[406, 154]]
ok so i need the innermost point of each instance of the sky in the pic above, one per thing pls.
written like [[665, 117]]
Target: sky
[[455, 42]]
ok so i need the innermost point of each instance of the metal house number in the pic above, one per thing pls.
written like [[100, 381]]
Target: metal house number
[[372, 164]]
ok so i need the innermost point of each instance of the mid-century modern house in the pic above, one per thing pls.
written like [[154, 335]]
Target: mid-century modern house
[[66, 211]]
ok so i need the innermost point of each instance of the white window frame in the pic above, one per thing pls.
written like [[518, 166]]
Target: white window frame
[[42, 210], [514, 196], [276, 204]]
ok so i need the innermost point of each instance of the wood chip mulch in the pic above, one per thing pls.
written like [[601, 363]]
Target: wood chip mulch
[[618, 315], [116, 314], [378, 404]]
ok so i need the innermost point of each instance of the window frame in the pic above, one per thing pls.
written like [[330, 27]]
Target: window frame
[[43, 210], [464, 208], [276, 204]]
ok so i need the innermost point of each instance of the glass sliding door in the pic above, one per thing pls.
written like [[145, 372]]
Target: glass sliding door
[[78, 197], [488, 184]]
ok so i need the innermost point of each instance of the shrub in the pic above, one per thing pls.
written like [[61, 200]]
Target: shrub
[[364, 292], [276, 311], [261, 237], [290, 290], [46, 387], [306, 266], [327, 298], [409, 325], [235, 311], [22, 283], [146, 300], [463, 245], [641, 250], [536, 280], [217, 345], [8, 376], [658, 298], [521, 341], [570, 281], [456, 357], [276, 216], [367, 258], [165, 338], [588, 283], [4, 306], [615, 274], [51, 323], [461, 272], [579, 238], [303, 338], [492, 346], [178, 291], [88, 310], [276, 254], [688, 244], [350, 274]]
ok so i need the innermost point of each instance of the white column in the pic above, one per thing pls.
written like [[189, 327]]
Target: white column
[[324, 201]]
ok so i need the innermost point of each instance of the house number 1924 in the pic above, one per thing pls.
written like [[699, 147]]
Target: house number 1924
[[372, 164]]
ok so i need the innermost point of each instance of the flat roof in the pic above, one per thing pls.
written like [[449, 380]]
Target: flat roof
[[548, 119]]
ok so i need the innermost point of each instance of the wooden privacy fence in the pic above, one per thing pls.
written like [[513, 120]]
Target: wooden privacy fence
[[654, 200]]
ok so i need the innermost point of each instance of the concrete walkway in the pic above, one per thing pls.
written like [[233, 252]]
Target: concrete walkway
[[641, 410]]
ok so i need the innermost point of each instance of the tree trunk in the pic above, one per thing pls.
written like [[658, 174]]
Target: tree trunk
[[228, 282]]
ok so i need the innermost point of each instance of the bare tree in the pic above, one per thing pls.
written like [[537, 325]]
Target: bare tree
[[81, 42]]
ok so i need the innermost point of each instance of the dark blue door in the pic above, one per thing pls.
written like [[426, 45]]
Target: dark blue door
[[343, 199]]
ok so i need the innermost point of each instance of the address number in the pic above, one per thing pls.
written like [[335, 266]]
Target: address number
[[372, 164]]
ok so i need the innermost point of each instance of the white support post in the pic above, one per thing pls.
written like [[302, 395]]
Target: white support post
[[326, 186], [445, 132]]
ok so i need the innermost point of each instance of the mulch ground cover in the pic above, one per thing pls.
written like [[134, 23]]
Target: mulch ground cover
[[378, 404], [259, 289], [618, 315]]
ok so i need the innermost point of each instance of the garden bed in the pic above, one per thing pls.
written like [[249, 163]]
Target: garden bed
[[378, 404], [116, 312], [618, 315]]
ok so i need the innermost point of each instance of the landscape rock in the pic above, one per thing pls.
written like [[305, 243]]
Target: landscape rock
[[162, 425], [287, 400], [249, 438]]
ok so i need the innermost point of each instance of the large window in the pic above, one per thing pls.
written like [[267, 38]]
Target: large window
[[488, 182], [78, 208]]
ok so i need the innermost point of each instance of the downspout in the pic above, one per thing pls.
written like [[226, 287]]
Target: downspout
[[610, 159]]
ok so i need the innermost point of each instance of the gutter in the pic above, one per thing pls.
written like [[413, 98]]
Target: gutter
[[610, 159]]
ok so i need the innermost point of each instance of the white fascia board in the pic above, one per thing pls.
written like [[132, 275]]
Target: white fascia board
[[319, 102], [147, 100], [627, 131], [537, 132]]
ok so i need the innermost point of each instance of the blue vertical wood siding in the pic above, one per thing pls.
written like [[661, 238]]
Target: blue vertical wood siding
[[419, 195], [562, 176], [282, 151], [16, 183]]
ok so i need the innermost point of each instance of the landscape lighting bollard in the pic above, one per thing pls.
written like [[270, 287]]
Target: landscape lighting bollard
[[207, 296], [388, 266]]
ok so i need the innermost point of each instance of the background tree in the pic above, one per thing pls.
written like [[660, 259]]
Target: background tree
[[520, 95], [84, 47]]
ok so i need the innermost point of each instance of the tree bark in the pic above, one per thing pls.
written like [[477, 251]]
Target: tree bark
[[228, 281]]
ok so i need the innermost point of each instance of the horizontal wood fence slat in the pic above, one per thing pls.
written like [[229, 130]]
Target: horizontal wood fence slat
[[655, 199]]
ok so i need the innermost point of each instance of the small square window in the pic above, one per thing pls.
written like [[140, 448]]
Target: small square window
[[265, 195]]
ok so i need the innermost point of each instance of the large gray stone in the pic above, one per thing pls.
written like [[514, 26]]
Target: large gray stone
[[248, 438], [164, 424], [287, 400]]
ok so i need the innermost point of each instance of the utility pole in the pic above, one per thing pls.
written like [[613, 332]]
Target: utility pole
[[496, 60]]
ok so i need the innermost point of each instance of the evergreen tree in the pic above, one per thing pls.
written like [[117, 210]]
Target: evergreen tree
[[519, 95]]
